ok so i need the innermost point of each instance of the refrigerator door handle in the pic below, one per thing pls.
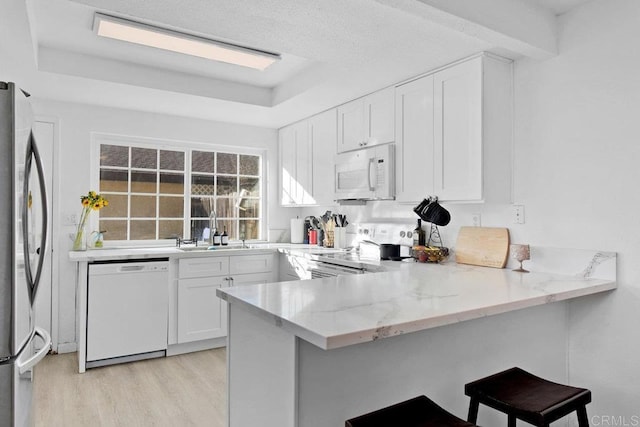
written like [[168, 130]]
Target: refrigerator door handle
[[33, 153], [26, 365]]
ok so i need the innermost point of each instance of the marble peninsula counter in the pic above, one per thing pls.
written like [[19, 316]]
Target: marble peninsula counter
[[315, 353]]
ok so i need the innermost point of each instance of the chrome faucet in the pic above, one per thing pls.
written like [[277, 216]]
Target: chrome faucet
[[213, 224]]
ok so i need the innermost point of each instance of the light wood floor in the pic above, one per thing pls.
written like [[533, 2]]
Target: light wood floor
[[184, 390]]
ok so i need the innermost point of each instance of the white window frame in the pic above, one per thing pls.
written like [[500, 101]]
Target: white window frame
[[174, 145]]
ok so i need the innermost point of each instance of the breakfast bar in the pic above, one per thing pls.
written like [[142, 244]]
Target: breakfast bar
[[315, 353]]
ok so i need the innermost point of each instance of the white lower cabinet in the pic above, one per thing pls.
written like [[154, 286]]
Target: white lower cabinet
[[293, 268], [200, 312], [201, 315]]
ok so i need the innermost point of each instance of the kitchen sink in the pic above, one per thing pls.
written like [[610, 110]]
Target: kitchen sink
[[216, 248]]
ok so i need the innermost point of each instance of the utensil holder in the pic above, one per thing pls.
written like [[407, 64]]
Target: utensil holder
[[328, 239], [340, 238]]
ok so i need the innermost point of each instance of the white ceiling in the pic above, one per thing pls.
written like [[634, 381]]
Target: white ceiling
[[560, 6], [332, 50]]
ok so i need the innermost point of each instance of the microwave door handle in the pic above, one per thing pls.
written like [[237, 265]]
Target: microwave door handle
[[371, 163]]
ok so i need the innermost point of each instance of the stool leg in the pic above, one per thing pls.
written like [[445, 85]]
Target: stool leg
[[512, 421], [583, 421], [473, 410]]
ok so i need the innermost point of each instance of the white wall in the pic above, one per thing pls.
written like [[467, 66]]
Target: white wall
[[77, 122], [577, 154]]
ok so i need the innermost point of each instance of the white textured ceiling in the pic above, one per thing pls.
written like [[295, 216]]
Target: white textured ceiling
[[333, 51], [560, 6]]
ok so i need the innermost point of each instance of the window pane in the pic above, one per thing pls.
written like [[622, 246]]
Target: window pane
[[114, 180], [251, 208], [202, 185], [144, 158], [200, 207], [249, 165], [202, 161], [227, 163], [252, 185], [227, 185], [230, 225], [225, 207], [117, 207], [172, 160], [171, 183], [170, 229], [143, 230], [143, 206], [249, 228], [171, 207], [143, 182], [197, 227], [114, 155], [113, 230]]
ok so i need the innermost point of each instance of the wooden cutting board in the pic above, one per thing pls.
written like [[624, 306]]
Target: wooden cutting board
[[485, 246]]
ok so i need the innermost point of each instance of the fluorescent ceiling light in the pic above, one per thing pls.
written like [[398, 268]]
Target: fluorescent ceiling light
[[147, 35]]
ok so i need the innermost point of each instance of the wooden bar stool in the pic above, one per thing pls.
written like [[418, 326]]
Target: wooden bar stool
[[524, 396], [417, 412]]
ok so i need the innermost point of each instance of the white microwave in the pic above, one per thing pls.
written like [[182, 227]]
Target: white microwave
[[366, 174]]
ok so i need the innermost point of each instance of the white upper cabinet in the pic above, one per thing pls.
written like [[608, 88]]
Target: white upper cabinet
[[295, 158], [307, 149], [454, 133], [367, 121], [323, 130], [414, 140], [457, 153]]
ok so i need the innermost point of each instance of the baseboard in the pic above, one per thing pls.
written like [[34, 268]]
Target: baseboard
[[190, 347], [67, 347]]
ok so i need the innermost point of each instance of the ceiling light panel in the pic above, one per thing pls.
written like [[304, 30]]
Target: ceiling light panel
[[147, 35]]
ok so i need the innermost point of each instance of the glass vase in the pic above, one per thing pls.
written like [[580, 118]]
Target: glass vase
[[80, 241]]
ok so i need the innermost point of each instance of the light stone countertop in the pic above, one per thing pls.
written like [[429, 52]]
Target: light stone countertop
[[128, 253], [337, 312]]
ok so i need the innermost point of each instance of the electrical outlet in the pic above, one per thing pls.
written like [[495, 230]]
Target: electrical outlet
[[475, 219], [70, 219], [518, 214]]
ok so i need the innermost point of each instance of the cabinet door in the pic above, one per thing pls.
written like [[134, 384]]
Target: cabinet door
[[203, 266], [293, 268], [458, 132], [201, 314], [323, 130], [351, 133], [303, 176], [296, 181], [414, 140], [379, 114], [251, 279], [244, 264], [287, 142]]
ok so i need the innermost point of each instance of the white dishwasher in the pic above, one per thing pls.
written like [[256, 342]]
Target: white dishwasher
[[127, 311]]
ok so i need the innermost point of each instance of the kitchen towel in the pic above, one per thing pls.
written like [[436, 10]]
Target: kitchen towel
[[297, 230]]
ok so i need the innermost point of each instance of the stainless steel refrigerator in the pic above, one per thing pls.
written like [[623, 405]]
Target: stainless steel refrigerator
[[23, 239]]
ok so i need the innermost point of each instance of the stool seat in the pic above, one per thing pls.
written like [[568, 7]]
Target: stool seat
[[417, 412], [527, 397]]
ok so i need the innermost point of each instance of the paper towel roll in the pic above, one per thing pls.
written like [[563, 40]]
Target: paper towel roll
[[297, 230]]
